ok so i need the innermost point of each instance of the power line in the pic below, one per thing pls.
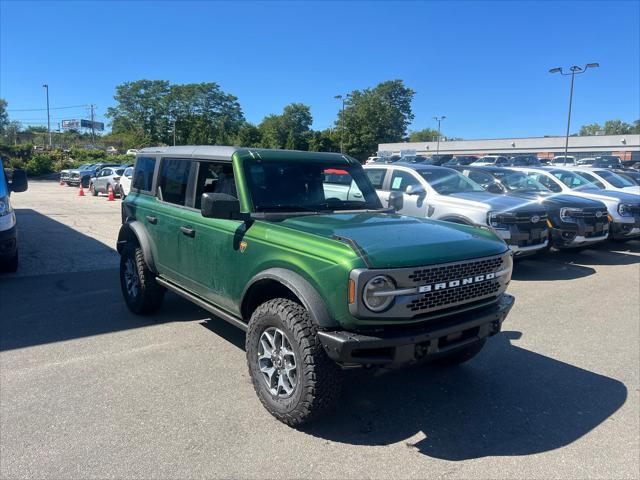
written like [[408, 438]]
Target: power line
[[43, 109]]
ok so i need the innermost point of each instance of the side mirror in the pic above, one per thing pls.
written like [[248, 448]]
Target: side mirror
[[415, 190], [495, 188], [19, 181], [396, 200], [220, 205]]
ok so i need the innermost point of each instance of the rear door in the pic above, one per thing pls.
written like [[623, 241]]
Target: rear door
[[377, 177]]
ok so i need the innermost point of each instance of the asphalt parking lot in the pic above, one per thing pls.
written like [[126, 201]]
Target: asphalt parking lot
[[89, 390]]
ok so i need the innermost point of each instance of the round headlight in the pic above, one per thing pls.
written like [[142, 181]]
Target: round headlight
[[373, 293]]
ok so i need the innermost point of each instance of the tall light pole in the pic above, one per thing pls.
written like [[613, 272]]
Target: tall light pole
[[46, 87], [573, 71], [438, 119], [343, 98]]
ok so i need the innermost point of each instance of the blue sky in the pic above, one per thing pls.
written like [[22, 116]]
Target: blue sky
[[482, 64]]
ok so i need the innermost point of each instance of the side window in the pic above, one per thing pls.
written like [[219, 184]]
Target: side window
[[547, 182], [214, 177], [376, 177], [592, 179], [401, 180], [143, 173], [173, 180], [481, 178]]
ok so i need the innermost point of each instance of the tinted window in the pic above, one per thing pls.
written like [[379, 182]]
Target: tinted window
[[615, 179], [401, 180], [119, 171], [173, 180], [546, 181], [128, 172], [376, 176], [446, 181], [143, 173], [214, 178], [481, 178], [572, 180], [592, 179]]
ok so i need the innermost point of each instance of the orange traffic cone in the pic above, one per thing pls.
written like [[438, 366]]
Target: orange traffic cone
[[111, 196], [61, 182], [81, 191]]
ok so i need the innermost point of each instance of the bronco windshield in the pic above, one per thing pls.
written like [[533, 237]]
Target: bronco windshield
[[446, 181], [288, 186]]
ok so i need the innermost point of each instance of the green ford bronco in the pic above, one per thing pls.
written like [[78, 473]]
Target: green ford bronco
[[296, 249]]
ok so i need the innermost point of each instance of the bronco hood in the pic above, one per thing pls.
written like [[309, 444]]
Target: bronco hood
[[389, 240]]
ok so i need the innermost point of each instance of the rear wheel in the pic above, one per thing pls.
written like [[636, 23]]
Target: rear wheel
[[139, 287], [460, 356], [291, 373], [92, 189]]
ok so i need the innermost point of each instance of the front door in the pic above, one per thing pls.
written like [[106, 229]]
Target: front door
[[413, 205]]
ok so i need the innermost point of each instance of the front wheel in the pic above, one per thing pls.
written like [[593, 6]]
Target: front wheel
[[460, 356], [92, 189], [140, 290], [292, 375]]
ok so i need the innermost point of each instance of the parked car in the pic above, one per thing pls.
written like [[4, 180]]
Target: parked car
[[588, 161], [316, 280], [132, 151], [441, 193], [125, 182], [372, 159], [623, 208], [84, 174], [607, 179], [107, 177], [525, 161], [439, 159], [461, 160], [573, 221], [497, 160], [608, 161], [562, 160], [8, 230], [112, 150]]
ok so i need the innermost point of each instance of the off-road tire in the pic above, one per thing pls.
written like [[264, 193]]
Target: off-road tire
[[9, 265], [319, 379], [92, 189], [460, 356], [150, 294]]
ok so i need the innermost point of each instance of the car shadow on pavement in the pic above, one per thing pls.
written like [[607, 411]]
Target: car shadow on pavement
[[508, 401]]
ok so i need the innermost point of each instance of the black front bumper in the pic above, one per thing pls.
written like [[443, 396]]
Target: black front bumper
[[622, 231], [403, 347], [580, 233], [8, 242]]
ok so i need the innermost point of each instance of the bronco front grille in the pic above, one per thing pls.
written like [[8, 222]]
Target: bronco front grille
[[456, 271], [442, 298]]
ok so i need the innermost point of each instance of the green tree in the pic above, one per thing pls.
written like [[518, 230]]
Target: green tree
[[617, 127], [200, 112], [590, 129], [636, 127], [375, 115], [424, 135], [288, 130], [248, 136], [4, 116], [323, 141]]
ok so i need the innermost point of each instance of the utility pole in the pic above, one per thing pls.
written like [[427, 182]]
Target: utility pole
[[174, 131], [438, 119], [46, 87], [93, 129], [574, 70], [342, 97]]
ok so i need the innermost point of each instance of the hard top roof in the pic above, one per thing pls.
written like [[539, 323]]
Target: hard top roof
[[216, 152]]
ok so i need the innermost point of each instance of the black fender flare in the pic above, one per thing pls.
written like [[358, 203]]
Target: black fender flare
[[308, 295], [134, 230]]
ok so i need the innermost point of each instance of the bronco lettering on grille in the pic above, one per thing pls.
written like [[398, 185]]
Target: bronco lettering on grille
[[456, 283]]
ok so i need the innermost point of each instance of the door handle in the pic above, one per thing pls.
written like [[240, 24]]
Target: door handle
[[151, 219], [357, 195], [189, 232]]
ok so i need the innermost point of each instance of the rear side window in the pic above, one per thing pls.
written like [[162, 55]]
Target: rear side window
[[143, 173], [592, 179], [173, 180], [401, 180], [376, 176]]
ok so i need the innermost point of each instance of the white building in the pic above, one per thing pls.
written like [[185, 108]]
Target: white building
[[627, 147]]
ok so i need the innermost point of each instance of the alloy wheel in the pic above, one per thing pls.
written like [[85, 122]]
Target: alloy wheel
[[277, 362]]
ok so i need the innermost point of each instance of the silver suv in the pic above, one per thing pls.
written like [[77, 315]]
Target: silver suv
[[442, 193]]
